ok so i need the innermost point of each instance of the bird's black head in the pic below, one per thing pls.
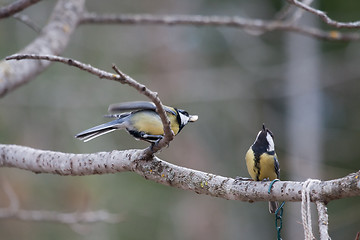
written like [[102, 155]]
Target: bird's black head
[[264, 141], [183, 118]]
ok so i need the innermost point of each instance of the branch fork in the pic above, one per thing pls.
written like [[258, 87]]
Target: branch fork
[[122, 78]]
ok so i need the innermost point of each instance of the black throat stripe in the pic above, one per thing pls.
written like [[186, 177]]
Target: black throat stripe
[[258, 151], [257, 165]]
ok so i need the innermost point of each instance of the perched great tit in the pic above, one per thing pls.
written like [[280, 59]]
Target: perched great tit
[[142, 121], [261, 160]]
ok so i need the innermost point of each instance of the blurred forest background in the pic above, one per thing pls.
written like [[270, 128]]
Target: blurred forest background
[[305, 90]]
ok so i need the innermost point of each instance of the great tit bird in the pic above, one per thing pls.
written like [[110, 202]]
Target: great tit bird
[[261, 160], [142, 121]]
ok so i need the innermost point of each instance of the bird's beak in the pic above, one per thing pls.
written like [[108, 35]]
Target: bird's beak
[[193, 118]]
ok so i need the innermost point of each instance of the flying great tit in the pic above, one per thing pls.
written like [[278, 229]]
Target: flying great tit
[[261, 160], [142, 121]]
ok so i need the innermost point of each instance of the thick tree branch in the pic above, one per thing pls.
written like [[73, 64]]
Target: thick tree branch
[[256, 25], [122, 78], [40, 161], [15, 7], [52, 40]]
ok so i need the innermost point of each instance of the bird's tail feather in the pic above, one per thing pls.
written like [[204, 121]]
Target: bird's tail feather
[[99, 130]]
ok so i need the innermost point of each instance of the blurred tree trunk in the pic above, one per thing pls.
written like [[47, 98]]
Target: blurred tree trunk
[[304, 117]]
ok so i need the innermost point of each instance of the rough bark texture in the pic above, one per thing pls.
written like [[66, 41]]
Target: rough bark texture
[[40, 161], [323, 221]]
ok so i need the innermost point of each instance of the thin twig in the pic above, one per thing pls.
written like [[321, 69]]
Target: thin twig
[[66, 218], [324, 16], [122, 78], [225, 21], [70, 62], [15, 7], [14, 212], [299, 12], [27, 21]]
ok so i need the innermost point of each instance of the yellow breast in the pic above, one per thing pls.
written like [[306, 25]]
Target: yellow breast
[[264, 169], [150, 123]]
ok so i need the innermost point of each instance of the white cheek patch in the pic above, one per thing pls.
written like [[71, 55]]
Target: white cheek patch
[[271, 142], [184, 119]]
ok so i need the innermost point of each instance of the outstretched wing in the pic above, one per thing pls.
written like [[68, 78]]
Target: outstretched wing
[[137, 105]]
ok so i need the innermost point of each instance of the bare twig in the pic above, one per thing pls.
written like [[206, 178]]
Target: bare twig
[[299, 12], [52, 40], [323, 220], [122, 78], [159, 171], [324, 16], [15, 7], [66, 218], [67, 13], [27, 21], [14, 212], [225, 21], [71, 62], [289, 16]]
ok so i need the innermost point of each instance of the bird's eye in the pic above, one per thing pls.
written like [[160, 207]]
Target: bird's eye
[[184, 112]]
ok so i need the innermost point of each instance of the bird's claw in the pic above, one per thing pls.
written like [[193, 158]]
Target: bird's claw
[[238, 179], [265, 180]]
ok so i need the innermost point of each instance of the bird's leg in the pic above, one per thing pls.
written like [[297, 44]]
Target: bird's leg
[[265, 180], [156, 142]]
